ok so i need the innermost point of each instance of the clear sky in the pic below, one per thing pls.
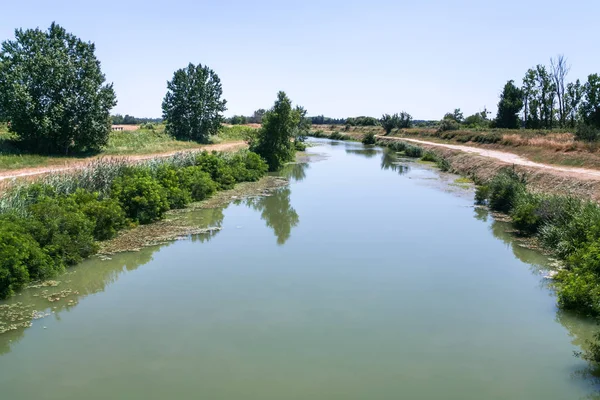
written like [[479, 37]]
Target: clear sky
[[337, 58]]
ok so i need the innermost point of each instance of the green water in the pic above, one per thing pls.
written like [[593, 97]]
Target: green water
[[369, 277]]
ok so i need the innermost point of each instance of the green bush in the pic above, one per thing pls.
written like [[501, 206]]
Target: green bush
[[587, 133], [21, 258], [177, 196], [504, 189], [369, 138], [429, 156], [482, 193], [62, 229], [142, 197], [197, 182], [299, 145], [448, 125], [338, 136], [413, 151], [107, 215], [247, 166], [579, 292], [218, 169], [526, 214]]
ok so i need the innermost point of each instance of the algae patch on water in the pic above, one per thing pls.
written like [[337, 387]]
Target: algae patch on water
[[177, 223]]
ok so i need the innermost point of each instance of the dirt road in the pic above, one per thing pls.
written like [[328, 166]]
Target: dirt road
[[510, 158], [31, 172]]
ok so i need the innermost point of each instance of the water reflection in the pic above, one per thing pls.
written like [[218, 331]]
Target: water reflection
[[277, 212], [389, 160], [295, 172], [92, 276], [367, 152]]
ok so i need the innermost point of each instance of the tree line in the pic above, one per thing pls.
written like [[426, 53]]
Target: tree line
[[546, 100], [119, 119], [55, 100]]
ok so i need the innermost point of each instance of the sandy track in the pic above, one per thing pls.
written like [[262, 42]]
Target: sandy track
[[31, 172], [510, 158]]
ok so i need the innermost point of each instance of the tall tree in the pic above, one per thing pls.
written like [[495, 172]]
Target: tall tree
[[573, 97], [193, 108], [546, 91], [280, 125], [559, 71], [53, 92], [509, 107], [590, 107], [530, 114]]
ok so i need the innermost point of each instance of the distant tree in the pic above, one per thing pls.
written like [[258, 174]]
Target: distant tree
[[530, 108], [509, 107], [395, 121], [590, 107], [238, 120], [573, 97], [280, 125], [193, 108], [456, 115], [478, 120], [389, 122], [559, 71], [257, 116], [53, 93]]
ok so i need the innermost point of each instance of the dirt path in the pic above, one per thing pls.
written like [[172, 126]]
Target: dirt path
[[30, 172], [510, 158]]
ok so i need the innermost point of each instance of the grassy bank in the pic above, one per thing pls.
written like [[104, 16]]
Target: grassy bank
[[50, 225], [138, 142]]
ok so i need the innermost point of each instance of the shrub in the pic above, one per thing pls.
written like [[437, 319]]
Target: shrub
[[178, 197], [197, 182], [587, 133], [142, 197], [299, 145], [21, 258], [526, 213], [107, 215], [413, 151], [218, 169], [482, 193], [448, 125], [429, 156], [62, 230], [369, 138], [504, 189], [247, 166], [338, 136]]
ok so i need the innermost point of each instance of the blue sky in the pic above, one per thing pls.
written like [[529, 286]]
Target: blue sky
[[337, 58]]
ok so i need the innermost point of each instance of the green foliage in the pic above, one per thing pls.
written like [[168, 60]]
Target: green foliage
[[413, 151], [587, 133], [106, 215], [369, 138], [525, 213], [502, 191], [219, 170], [197, 182], [21, 258], [192, 107], [53, 93], [509, 107], [448, 125], [429, 156], [590, 107], [280, 125], [62, 229], [592, 351], [362, 121], [141, 196], [247, 166], [395, 121], [169, 179], [456, 116]]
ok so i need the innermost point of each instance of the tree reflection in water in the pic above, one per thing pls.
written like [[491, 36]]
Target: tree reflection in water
[[389, 160]]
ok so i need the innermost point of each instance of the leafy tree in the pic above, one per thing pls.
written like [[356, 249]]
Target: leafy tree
[[456, 116], [478, 120], [509, 107], [53, 93], [257, 116], [590, 108], [193, 106], [280, 125], [400, 121], [573, 97]]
